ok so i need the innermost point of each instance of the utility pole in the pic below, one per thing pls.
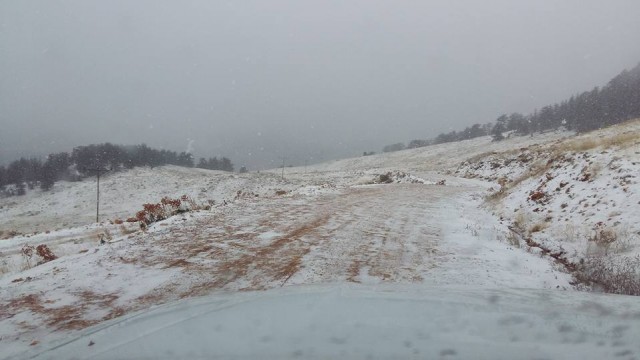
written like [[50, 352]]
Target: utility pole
[[98, 172], [283, 167]]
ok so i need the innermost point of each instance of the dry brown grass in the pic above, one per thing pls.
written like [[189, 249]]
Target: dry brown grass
[[124, 230], [603, 237], [622, 140], [584, 143], [5, 235], [513, 239], [576, 145], [537, 169], [538, 227], [521, 220], [557, 151], [479, 157]]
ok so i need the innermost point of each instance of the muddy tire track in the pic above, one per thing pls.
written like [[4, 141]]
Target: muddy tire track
[[367, 234]]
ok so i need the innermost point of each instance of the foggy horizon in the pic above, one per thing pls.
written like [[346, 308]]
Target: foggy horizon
[[309, 81]]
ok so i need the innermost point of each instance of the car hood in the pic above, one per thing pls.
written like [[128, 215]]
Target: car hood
[[349, 321]]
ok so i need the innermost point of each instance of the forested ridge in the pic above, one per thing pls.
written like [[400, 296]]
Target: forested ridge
[[84, 161], [616, 102]]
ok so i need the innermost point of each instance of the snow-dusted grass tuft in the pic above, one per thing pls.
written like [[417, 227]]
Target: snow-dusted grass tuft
[[513, 239], [521, 220], [588, 142], [576, 145], [4, 266], [537, 169], [626, 241], [127, 229], [621, 140], [473, 229], [537, 227], [610, 241], [569, 233]]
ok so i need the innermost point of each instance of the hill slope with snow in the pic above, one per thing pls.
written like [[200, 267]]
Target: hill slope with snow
[[578, 198], [427, 218]]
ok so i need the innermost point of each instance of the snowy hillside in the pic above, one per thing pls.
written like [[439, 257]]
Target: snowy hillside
[[72, 204], [577, 197], [427, 218]]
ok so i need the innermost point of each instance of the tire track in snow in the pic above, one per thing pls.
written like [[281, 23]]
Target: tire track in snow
[[368, 234], [388, 234]]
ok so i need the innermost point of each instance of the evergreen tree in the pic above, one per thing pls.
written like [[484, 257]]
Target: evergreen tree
[[499, 128], [226, 165], [413, 144], [185, 159], [393, 147], [3, 177]]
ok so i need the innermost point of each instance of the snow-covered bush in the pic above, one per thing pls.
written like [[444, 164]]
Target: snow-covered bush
[[42, 251], [620, 275], [166, 208], [45, 253], [398, 177], [27, 254]]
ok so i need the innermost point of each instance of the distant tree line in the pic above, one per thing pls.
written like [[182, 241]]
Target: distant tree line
[[213, 163], [30, 173], [616, 102], [393, 147]]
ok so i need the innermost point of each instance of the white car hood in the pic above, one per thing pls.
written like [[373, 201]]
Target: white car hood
[[356, 322]]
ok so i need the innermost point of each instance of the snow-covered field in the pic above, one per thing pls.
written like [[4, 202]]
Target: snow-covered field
[[328, 226]]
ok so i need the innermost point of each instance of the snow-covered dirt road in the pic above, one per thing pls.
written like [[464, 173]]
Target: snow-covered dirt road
[[417, 234]]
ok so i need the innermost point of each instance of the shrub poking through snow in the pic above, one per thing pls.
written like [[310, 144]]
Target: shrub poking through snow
[[603, 236], [245, 195], [399, 177], [611, 275], [385, 178], [125, 231], [537, 228], [27, 254], [537, 196], [42, 251], [171, 202], [502, 181], [166, 208], [45, 253]]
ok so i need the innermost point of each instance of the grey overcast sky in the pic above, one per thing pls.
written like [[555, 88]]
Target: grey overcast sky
[[256, 80]]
